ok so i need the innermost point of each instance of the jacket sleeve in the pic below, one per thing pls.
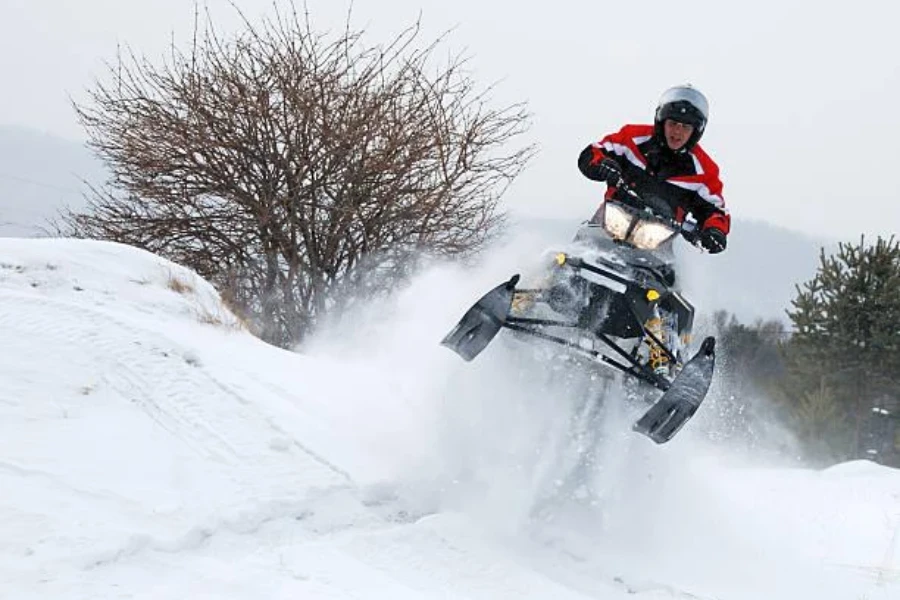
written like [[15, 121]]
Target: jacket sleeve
[[588, 161], [709, 204], [718, 219], [714, 214], [619, 146], [709, 216]]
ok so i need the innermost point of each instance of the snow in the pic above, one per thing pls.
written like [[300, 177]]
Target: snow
[[151, 448]]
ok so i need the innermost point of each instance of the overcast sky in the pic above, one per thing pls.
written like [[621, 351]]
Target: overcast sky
[[804, 122]]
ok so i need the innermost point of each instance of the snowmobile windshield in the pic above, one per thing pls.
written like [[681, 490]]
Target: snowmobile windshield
[[626, 226]]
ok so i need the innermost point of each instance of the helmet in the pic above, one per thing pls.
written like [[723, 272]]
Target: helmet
[[685, 104]]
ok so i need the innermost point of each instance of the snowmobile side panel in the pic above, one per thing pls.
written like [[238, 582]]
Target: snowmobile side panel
[[623, 304], [674, 302], [482, 322], [677, 405]]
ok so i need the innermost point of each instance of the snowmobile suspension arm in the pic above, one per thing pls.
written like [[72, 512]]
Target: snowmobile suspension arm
[[580, 264], [521, 325], [577, 263], [659, 343], [636, 367]]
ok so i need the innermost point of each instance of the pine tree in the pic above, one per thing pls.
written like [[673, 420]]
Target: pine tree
[[846, 342]]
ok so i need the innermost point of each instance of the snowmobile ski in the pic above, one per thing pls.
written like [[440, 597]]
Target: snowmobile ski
[[684, 396], [482, 322]]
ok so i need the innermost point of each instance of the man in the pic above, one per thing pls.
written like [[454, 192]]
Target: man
[[664, 165], [664, 161]]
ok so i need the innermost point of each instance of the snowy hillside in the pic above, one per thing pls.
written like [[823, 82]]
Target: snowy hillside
[[150, 448]]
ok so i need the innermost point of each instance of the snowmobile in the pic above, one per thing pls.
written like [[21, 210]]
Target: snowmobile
[[612, 302]]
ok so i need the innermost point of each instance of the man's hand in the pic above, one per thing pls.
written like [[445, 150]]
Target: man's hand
[[609, 171], [713, 240]]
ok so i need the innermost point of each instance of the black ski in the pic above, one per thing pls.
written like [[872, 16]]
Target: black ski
[[482, 322], [679, 403]]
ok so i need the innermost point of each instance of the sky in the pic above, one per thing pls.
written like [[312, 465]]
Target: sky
[[803, 119], [173, 455]]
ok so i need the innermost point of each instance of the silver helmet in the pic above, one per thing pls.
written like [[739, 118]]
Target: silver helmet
[[685, 104]]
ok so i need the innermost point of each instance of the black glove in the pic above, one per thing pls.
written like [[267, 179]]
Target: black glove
[[713, 240], [609, 171]]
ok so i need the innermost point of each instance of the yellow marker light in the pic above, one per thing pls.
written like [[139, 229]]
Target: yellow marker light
[[561, 259], [652, 295]]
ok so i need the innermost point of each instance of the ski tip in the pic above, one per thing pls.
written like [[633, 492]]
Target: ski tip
[[664, 420]]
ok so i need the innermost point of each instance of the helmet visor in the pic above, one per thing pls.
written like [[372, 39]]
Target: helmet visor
[[682, 112]]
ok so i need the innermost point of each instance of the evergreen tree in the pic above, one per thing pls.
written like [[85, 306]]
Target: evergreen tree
[[750, 353], [844, 357]]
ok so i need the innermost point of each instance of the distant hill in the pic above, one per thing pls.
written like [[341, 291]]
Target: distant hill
[[39, 175], [754, 278]]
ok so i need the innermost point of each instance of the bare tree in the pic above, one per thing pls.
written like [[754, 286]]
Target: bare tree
[[289, 167]]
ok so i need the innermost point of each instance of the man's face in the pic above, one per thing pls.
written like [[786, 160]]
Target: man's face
[[677, 134]]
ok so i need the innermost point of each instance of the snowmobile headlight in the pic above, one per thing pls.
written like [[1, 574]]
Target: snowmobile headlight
[[652, 295], [561, 258], [616, 220], [649, 235]]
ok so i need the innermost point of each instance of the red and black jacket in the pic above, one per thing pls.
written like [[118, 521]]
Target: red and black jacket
[[687, 181]]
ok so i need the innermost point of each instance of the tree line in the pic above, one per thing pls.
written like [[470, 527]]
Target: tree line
[[832, 376]]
